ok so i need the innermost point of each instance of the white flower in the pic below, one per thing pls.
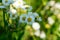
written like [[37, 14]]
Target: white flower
[[18, 4], [57, 5], [13, 11], [51, 3], [37, 33], [23, 18], [30, 19], [42, 35], [36, 26], [50, 21]]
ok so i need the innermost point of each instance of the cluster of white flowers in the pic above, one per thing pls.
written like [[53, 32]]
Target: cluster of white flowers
[[36, 27], [19, 4], [29, 18], [55, 7]]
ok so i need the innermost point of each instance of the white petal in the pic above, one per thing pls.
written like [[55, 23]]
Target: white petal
[[37, 33], [51, 3], [36, 26], [42, 35], [13, 11], [57, 5], [50, 21]]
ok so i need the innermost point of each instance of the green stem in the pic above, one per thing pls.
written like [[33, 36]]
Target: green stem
[[4, 17]]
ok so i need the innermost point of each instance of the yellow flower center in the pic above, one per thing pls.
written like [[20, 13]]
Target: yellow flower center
[[29, 19]]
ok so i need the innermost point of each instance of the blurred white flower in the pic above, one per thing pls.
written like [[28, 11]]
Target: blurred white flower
[[18, 4], [50, 21], [51, 3], [36, 26], [13, 11], [23, 18], [42, 35], [37, 33], [57, 5], [30, 19]]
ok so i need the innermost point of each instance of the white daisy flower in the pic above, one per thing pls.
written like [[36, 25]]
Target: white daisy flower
[[37, 33], [30, 19], [23, 18], [36, 26], [42, 35], [50, 21]]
